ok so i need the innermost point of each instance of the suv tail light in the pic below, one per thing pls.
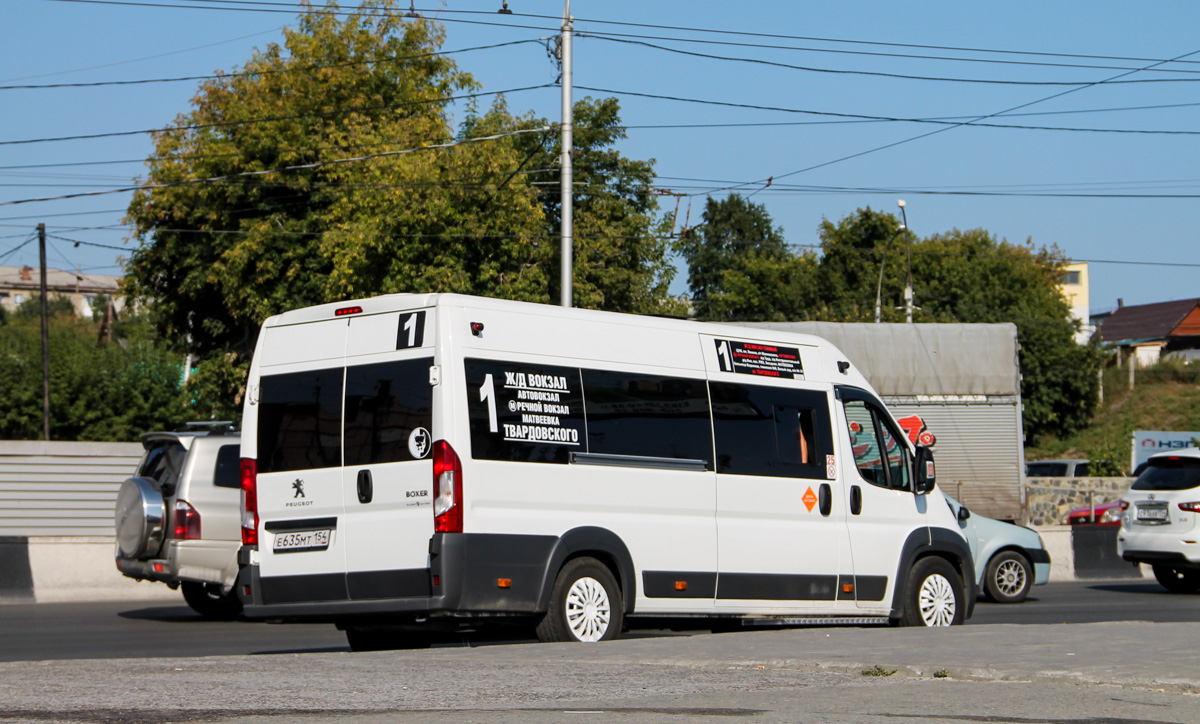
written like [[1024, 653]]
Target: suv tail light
[[1193, 507], [249, 502], [447, 489], [187, 522]]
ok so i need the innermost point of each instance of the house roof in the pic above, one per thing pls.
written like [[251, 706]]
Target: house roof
[[1146, 321], [13, 278]]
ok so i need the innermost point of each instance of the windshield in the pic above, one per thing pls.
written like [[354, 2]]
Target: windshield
[[1172, 473]]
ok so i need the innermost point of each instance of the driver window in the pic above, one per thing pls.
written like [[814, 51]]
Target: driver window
[[879, 454]]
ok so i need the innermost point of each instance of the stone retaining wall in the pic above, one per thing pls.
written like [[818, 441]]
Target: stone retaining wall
[[1048, 500]]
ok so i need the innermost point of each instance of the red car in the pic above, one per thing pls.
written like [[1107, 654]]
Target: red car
[[1106, 514]]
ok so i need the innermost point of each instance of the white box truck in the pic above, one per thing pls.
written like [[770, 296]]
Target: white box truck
[[416, 462]]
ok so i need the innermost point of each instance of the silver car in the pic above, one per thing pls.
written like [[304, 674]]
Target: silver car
[[1009, 559], [178, 517]]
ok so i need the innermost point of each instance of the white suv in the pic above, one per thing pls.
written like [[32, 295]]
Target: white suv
[[1159, 516], [178, 519]]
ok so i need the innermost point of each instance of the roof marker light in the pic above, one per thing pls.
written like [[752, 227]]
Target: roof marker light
[[347, 310]]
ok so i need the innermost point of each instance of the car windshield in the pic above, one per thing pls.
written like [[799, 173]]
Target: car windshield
[[1046, 470], [1171, 473]]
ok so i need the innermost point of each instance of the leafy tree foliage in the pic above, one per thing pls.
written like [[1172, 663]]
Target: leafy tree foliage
[[110, 392], [959, 276], [329, 169], [217, 257], [620, 246], [740, 268]]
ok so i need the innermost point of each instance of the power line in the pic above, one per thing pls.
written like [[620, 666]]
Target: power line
[[297, 167], [903, 76], [227, 124], [77, 242], [889, 119], [769, 179], [255, 73]]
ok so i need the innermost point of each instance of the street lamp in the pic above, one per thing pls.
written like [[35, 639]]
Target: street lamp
[[879, 287], [908, 288]]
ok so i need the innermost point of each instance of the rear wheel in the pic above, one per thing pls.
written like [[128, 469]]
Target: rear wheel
[[1008, 578], [585, 604], [374, 639], [1177, 579], [934, 594], [207, 600]]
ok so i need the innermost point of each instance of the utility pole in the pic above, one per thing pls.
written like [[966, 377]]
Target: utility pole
[[567, 180], [45, 337]]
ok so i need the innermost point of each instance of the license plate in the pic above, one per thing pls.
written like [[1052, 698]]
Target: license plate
[[301, 540], [1152, 513]]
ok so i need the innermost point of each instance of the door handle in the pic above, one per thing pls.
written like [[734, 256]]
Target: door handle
[[365, 490], [855, 499], [825, 499]]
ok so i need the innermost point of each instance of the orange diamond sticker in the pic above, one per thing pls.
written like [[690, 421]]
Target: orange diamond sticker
[[810, 499]]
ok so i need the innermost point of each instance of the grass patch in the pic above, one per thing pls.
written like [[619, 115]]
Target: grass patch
[[878, 671]]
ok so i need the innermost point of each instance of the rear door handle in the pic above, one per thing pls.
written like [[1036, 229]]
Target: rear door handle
[[365, 490], [855, 499]]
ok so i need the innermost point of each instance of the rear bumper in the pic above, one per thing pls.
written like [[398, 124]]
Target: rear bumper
[[194, 561], [1142, 547], [464, 578]]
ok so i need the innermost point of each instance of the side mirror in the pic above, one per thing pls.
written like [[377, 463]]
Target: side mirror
[[923, 470], [963, 514]]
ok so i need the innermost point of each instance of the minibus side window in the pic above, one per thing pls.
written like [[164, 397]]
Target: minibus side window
[[524, 412], [647, 415], [300, 421], [388, 412], [773, 431], [870, 433]]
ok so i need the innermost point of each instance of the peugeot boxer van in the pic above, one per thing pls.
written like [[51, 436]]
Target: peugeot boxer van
[[420, 462]]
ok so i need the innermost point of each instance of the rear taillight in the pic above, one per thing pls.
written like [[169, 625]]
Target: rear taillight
[[447, 489], [249, 502], [187, 522], [1193, 507]]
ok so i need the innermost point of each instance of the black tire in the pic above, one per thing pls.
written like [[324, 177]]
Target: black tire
[[1008, 578], [1177, 579], [374, 639], [934, 595], [207, 600], [585, 604]]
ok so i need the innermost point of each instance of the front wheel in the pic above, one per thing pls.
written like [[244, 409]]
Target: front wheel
[[585, 604], [207, 600], [934, 596], [1008, 577], [1177, 579]]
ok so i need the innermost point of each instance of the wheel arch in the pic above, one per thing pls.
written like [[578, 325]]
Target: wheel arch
[[940, 543], [592, 542]]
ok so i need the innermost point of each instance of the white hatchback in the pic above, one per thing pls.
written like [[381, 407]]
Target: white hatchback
[[1158, 519]]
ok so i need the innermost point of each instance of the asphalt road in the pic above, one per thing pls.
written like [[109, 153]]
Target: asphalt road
[[36, 632]]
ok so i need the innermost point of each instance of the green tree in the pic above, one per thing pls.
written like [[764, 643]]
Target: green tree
[[969, 276], [740, 267], [109, 392], [415, 212], [620, 244]]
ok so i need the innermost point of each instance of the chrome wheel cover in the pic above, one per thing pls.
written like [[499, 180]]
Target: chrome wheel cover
[[936, 601], [588, 610], [1010, 577]]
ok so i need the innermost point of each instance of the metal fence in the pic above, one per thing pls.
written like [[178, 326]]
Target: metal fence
[[62, 488]]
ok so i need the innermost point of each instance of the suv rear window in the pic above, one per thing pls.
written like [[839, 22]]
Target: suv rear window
[[1170, 474], [1046, 470], [163, 462]]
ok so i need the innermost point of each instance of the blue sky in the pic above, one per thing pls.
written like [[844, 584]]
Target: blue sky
[[1121, 186]]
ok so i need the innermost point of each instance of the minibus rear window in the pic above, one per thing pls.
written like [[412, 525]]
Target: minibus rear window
[[300, 421]]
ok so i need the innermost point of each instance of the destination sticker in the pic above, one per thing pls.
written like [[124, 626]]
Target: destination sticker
[[757, 358], [524, 412]]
